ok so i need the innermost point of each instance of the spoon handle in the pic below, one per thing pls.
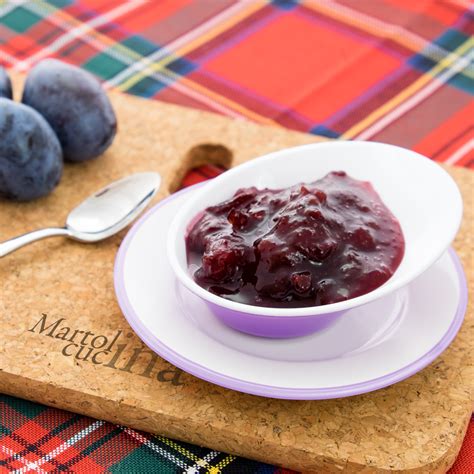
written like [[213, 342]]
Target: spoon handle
[[17, 242]]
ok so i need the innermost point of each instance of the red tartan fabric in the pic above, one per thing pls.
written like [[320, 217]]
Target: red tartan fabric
[[465, 461]]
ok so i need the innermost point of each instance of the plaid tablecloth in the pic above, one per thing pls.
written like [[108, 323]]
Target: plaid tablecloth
[[397, 71]]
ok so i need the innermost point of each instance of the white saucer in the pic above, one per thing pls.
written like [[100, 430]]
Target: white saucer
[[368, 348]]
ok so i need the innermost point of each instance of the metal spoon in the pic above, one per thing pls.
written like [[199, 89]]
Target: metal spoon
[[101, 215]]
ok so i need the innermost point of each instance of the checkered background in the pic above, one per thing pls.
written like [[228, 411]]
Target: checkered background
[[396, 71]]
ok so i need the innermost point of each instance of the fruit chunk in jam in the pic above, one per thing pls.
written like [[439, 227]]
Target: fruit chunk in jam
[[306, 245]]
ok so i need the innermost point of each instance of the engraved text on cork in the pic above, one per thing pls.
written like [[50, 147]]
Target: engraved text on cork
[[109, 351]]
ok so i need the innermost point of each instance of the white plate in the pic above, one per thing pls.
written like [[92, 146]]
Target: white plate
[[368, 348]]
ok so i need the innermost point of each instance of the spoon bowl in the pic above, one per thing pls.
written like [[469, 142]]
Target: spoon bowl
[[101, 215], [112, 208]]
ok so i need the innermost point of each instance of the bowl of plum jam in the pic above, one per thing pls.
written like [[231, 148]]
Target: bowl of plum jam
[[285, 244]]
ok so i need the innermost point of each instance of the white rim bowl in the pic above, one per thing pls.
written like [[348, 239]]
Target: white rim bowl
[[421, 195]]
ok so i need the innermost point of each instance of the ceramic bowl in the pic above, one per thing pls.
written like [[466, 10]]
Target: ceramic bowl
[[421, 195]]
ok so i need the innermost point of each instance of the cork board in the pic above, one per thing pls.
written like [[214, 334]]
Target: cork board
[[414, 426]]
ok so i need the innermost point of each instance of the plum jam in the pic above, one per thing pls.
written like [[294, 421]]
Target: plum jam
[[306, 245]]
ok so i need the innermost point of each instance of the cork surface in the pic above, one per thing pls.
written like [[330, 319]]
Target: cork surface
[[65, 343]]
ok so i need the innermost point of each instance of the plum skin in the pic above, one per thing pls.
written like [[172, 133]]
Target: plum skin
[[31, 161], [75, 105], [5, 84]]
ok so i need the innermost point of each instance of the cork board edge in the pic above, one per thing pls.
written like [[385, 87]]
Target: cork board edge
[[57, 397]]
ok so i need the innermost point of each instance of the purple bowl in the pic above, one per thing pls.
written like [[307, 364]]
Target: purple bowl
[[269, 326]]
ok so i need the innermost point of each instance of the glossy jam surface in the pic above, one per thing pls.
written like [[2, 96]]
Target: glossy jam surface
[[306, 245]]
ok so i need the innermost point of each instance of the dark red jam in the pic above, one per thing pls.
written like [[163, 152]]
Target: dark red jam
[[307, 245]]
